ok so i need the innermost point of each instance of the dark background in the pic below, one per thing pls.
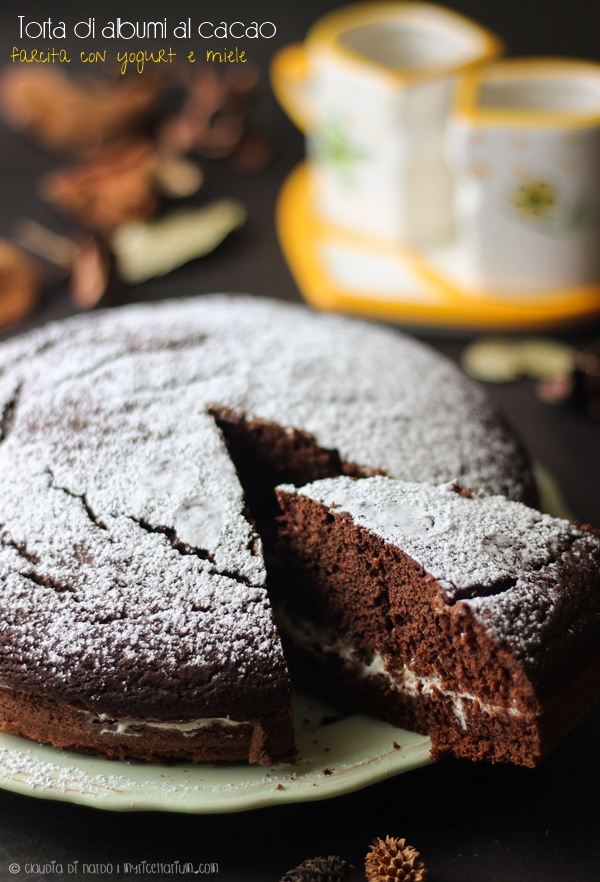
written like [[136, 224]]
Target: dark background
[[470, 822]]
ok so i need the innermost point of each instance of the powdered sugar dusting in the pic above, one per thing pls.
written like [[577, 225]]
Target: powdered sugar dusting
[[30, 771], [469, 545], [519, 571], [382, 400], [131, 581]]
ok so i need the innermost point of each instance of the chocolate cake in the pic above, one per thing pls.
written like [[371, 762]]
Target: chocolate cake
[[468, 617], [135, 617]]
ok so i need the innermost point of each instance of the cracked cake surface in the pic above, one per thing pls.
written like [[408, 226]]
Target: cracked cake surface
[[133, 578]]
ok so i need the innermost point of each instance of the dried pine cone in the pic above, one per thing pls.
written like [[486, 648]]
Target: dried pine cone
[[394, 861], [320, 869]]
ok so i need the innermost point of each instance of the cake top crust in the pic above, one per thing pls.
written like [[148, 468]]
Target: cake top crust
[[470, 543], [133, 583], [383, 400]]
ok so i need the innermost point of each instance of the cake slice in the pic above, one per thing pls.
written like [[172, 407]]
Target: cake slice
[[468, 617]]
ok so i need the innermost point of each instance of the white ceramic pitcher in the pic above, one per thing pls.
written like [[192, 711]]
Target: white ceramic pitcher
[[372, 86], [524, 148]]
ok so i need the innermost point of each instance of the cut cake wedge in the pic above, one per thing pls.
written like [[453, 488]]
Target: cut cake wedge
[[468, 617]]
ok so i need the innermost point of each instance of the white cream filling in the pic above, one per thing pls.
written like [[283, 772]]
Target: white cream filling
[[113, 726], [125, 726], [307, 634]]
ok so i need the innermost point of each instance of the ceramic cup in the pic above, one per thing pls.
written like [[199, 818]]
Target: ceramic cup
[[524, 148], [372, 86]]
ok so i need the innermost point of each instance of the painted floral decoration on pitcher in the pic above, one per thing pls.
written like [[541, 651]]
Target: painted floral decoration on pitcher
[[535, 200], [333, 146]]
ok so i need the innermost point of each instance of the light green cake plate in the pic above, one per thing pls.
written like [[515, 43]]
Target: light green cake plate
[[334, 758]]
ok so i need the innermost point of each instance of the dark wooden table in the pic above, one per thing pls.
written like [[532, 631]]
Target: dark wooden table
[[470, 822]]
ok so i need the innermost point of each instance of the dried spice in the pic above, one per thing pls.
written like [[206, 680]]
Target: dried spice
[[38, 240], [587, 380], [89, 263], [253, 153], [502, 359], [135, 252], [580, 386], [176, 176], [563, 375], [491, 359], [93, 274], [557, 391], [20, 284], [71, 117], [144, 250], [320, 869], [211, 121], [114, 188], [391, 860], [545, 359]]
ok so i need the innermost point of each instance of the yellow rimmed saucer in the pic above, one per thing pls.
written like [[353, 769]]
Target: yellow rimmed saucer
[[336, 269]]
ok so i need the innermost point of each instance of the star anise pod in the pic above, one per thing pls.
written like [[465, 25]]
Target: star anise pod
[[394, 861], [329, 868]]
